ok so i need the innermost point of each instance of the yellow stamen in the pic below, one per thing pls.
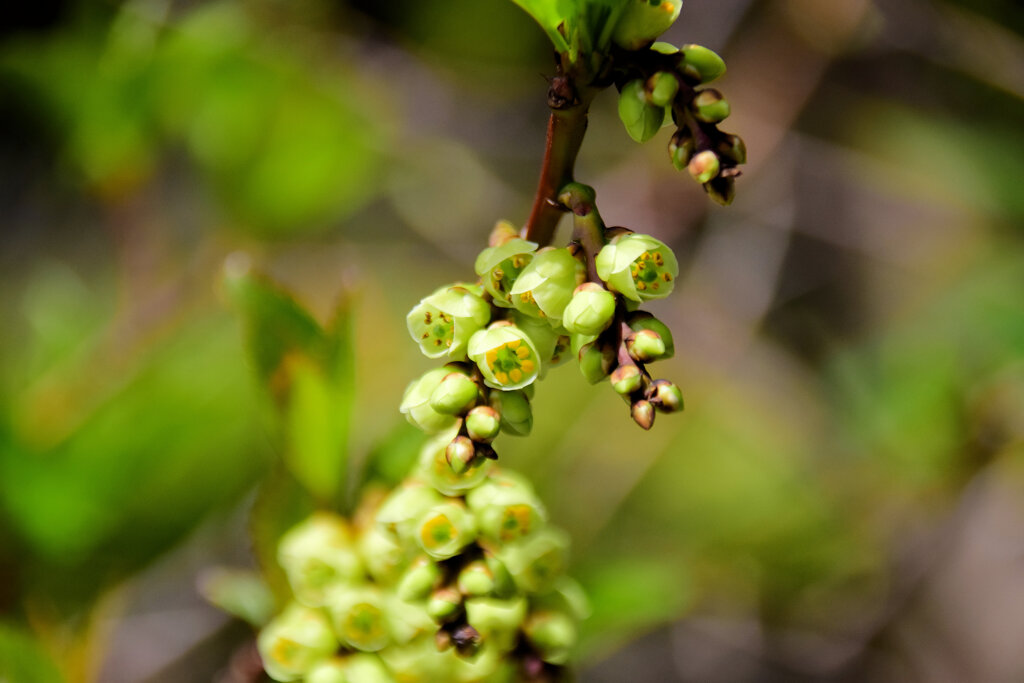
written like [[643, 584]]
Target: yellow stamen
[[502, 377], [516, 375], [522, 351], [527, 366]]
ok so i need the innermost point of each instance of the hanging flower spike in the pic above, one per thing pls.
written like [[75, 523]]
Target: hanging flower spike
[[545, 286], [638, 266], [505, 355], [443, 322], [500, 266]]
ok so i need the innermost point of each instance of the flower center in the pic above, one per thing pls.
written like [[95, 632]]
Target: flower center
[[511, 361], [647, 271]]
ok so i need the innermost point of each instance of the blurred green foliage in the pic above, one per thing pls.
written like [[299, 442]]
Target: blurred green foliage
[[130, 414]]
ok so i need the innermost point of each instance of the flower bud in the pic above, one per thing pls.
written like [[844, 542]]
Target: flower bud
[[537, 560], [681, 148], [443, 322], [445, 530], [642, 21], [295, 641], [626, 379], [666, 396], [402, 509], [553, 634], [500, 266], [701, 64], [496, 620], [476, 579], [416, 403], [545, 286], [359, 618], [662, 87], [418, 580], [365, 668], [330, 671], [642, 320], [454, 471], [710, 107], [590, 311], [382, 555], [460, 453], [455, 394], [638, 266], [506, 508], [721, 190], [506, 356], [444, 603], [503, 232], [704, 166], [504, 584], [483, 423], [317, 554], [514, 408], [645, 346], [641, 118], [734, 149], [596, 361], [643, 413]]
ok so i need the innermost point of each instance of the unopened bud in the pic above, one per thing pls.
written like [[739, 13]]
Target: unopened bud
[[704, 166], [455, 394], [331, 671], [681, 148], [476, 579], [662, 87], [701, 64], [460, 454], [734, 148], [483, 423], [590, 311], [418, 580], [709, 106], [495, 619], [553, 634], [645, 346], [626, 379], [721, 190], [666, 396], [503, 232], [643, 413], [444, 603], [514, 408], [596, 361], [642, 320]]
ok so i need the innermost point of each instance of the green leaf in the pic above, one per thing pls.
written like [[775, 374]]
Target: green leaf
[[551, 15], [316, 429], [23, 659]]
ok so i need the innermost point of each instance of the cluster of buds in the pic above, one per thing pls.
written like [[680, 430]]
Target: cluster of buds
[[662, 83], [450, 577]]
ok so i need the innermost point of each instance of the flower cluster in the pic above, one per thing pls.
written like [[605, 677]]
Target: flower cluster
[[450, 577], [662, 82]]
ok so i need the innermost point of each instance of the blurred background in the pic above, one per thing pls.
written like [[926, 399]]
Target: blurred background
[[842, 500]]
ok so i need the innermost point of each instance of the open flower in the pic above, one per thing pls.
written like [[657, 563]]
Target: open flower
[[545, 286], [505, 355], [443, 322], [638, 266], [500, 266]]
